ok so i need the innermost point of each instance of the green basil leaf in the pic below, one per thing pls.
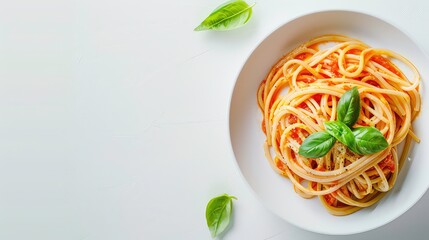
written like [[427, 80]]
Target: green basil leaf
[[218, 213], [228, 16], [349, 107], [342, 133], [316, 145], [369, 140]]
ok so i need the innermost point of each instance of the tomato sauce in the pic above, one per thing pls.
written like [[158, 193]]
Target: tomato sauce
[[317, 97], [313, 164], [302, 56], [303, 105], [387, 163], [385, 63], [313, 185], [321, 168], [308, 79], [263, 126], [331, 200], [280, 165], [292, 119], [345, 191], [373, 83], [333, 67], [345, 87], [295, 136], [354, 51]]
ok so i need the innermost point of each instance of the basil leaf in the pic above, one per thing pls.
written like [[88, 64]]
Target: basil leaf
[[349, 107], [369, 140], [342, 133], [228, 16], [316, 145], [218, 213]]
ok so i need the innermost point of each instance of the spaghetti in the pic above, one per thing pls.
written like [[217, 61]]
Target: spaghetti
[[314, 79]]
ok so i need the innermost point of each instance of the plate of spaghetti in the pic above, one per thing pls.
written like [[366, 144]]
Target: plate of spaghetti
[[326, 122]]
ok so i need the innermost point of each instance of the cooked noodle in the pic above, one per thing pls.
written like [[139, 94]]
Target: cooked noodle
[[314, 78]]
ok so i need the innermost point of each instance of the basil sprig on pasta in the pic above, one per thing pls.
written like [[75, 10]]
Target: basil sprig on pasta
[[360, 140], [349, 107]]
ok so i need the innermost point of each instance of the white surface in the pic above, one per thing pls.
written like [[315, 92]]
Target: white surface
[[275, 191], [114, 116]]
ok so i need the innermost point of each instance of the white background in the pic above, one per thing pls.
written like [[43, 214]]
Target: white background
[[113, 118]]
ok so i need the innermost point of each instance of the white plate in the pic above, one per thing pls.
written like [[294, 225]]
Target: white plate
[[275, 191]]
